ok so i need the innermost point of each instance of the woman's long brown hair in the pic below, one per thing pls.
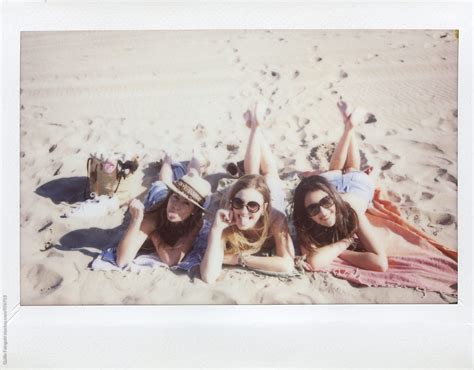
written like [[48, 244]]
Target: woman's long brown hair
[[170, 232], [311, 235], [235, 239]]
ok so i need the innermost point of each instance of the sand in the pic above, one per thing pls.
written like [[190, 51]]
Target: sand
[[145, 92]]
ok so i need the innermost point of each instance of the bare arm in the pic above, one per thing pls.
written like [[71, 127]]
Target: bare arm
[[323, 256], [136, 234], [285, 251], [364, 260], [211, 265]]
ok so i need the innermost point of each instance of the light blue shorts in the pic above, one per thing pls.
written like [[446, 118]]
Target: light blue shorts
[[277, 195], [355, 182]]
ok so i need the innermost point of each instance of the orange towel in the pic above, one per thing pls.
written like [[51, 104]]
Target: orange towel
[[415, 259]]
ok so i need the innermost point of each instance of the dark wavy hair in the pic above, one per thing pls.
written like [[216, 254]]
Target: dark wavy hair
[[170, 232], [310, 234]]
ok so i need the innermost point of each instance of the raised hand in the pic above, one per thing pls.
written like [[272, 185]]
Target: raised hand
[[223, 219], [137, 210]]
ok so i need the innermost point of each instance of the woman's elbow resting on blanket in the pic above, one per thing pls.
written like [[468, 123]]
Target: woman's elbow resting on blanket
[[287, 265], [381, 265], [122, 261], [316, 261]]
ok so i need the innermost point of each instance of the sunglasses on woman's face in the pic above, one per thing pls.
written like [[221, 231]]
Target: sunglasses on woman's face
[[314, 208], [252, 207]]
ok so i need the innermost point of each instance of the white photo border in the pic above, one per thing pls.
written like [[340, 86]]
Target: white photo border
[[205, 336]]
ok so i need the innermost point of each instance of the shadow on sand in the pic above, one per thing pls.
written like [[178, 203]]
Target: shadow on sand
[[67, 189]]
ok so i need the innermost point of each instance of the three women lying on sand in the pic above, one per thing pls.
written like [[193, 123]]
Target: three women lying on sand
[[251, 230]]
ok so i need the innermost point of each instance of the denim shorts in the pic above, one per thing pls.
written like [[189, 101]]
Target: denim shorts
[[355, 182]]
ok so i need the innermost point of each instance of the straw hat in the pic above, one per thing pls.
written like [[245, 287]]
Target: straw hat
[[192, 187]]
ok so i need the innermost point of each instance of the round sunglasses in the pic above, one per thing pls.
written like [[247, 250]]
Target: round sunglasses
[[252, 206], [314, 208]]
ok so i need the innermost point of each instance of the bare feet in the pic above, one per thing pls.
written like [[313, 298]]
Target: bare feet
[[342, 105], [199, 164], [346, 114], [255, 115], [167, 158], [248, 118]]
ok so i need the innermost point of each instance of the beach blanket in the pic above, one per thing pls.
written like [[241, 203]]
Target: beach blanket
[[106, 261], [414, 258]]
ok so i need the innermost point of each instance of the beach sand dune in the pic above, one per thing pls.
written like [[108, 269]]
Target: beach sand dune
[[145, 92]]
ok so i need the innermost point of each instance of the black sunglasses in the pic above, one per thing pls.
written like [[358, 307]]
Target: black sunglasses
[[252, 207], [314, 208]]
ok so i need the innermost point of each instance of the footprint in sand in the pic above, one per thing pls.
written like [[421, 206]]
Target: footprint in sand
[[391, 132], [232, 147], [302, 136], [44, 280], [275, 74], [427, 146], [445, 175], [387, 165], [58, 170], [130, 299], [200, 131], [394, 196], [447, 125], [407, 199], [370, 56], [55, 254], [395, 177], [327, 85], [445, 219], [426, 196], [370, 148], [320, 155], [343, 74]]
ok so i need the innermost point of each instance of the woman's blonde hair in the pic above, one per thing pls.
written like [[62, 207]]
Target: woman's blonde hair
[[235, 240]]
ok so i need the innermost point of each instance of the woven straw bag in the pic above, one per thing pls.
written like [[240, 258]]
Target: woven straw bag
[[109, 178]]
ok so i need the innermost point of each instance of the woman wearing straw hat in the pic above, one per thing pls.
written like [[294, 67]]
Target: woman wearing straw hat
[[171, 217], [253, 220]]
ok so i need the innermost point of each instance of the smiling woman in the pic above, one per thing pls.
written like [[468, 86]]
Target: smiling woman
[[253, 221], [329, 210]]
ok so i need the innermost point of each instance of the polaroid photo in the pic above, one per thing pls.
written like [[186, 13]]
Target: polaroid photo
[[183, 175]]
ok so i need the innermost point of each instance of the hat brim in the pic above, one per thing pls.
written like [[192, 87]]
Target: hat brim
[[180, 193]]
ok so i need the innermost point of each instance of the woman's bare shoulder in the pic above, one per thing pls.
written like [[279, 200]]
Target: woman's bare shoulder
[[278, 219], [149, 223]]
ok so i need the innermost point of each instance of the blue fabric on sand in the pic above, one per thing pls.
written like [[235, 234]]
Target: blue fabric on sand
[[357, 182], [106, 261], [158, 191]]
